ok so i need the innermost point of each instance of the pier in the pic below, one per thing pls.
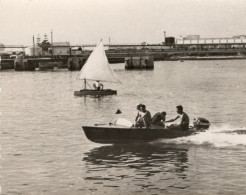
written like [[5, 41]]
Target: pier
[[73, 57], [30, 64], [76, 62]]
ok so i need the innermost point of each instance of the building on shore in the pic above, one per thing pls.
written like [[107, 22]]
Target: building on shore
[[61, 48], [33, 51], [212, 43], [76, 51], [1, 48], [192, 37], [17, 49], [239, 37]]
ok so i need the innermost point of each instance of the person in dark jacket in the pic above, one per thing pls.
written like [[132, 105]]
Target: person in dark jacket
[[159, 119]]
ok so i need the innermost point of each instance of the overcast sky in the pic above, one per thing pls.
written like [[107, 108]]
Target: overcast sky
[[124, 21]]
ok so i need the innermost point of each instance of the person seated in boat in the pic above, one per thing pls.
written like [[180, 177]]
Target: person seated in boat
[[159, 119], [98, 86], [139, 114], [145, 118], [184, 119]]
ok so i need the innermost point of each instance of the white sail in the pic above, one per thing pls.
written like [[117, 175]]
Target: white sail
[[97, 67]]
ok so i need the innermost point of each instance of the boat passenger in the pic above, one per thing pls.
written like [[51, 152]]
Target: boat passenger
[[185, 121], [98, 86], [159, 119], [139, 114], [145, 119]]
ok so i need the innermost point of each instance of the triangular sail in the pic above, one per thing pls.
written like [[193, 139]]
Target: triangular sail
[[97, 67]]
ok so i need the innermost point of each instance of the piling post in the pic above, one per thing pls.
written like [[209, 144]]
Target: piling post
[[164, 36], [52, 44], [33, 41]]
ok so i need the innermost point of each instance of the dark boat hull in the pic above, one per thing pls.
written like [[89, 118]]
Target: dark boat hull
[[114, 135], [93, 92]]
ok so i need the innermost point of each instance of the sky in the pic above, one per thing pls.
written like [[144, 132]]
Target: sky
[[124, 21]]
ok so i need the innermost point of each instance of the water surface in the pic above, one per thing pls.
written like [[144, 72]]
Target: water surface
[[44, 150]]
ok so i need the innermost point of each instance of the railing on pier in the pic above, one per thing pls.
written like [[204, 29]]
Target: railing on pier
[[215, 41]]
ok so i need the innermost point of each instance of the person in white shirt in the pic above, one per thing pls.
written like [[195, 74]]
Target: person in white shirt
[[140, 114], [185, 121], [98, 86], [143, 118]]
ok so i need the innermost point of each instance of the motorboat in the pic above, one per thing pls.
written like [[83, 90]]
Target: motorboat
[[118, 132]]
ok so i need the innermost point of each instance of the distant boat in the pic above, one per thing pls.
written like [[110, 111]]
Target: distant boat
[[97, 68]]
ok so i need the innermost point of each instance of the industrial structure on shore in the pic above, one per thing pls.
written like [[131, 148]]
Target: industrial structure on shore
[[190, 42], [191, 47]]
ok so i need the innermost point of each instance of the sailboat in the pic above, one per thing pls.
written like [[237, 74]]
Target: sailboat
[[97, 68]]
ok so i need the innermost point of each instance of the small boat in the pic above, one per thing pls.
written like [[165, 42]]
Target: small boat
[[95, 92], [97, 68], [117, 134]]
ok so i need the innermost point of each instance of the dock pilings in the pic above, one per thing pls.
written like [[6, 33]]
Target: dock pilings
[[75, 63], [141, 62]]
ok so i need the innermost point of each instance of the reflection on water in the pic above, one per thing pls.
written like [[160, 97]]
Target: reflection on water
[[153, 167]]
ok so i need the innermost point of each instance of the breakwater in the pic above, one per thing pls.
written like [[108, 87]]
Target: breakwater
[[118, 56]]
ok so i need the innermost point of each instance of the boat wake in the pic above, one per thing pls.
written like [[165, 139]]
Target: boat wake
[[224, 136]]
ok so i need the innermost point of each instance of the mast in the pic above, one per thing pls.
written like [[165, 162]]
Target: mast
[[164, 36], [84, 83]]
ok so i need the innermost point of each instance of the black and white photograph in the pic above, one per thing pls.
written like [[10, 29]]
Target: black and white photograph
[[122, 97]]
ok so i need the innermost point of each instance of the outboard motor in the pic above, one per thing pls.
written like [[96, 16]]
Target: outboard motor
[[201, 124]]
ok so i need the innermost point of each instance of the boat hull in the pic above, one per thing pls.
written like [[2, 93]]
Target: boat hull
[[114, 135], [84, 92]]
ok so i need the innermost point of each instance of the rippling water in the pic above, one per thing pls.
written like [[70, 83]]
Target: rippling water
[[44, 150]]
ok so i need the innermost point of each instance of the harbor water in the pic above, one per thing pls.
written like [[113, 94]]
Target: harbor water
[[44, 149]]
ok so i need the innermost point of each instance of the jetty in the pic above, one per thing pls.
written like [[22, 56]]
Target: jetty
[[73, 57]]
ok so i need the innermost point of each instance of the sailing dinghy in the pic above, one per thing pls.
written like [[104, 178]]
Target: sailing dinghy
[[97, 68]]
